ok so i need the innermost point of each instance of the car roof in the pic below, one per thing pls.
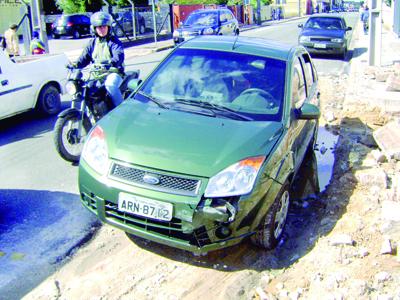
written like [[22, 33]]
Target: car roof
[[201, 10], [246, 45], [337, 16]]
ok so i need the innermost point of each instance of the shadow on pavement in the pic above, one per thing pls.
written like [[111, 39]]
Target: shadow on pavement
[[38, 230]]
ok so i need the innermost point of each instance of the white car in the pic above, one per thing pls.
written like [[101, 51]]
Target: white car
[[32, 82]]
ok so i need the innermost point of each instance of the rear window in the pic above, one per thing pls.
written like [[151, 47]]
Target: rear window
[[247, 84]]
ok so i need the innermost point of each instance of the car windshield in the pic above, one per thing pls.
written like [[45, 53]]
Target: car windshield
[[202, 19], [240, 86], [324, 23]]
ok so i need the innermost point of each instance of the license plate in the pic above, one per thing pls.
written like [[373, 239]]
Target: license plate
[[145, 207], [60, 28], [322, 46]]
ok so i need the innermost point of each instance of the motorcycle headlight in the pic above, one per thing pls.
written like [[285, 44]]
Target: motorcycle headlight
[[237, 179], [71, 88], [304, 39], [337, 40], [95, 151], [208, 31]]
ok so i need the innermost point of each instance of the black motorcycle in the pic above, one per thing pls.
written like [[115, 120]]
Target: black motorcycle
[[90, 102]]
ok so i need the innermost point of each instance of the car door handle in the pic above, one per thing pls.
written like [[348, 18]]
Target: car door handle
[[4, 82]]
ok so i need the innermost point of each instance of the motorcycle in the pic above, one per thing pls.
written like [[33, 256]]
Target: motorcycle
[[90, 102]]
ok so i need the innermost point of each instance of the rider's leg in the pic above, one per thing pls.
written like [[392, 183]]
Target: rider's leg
[[113, 82]]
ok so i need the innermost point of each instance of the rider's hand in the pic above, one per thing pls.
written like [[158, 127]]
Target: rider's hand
[[71, 66]]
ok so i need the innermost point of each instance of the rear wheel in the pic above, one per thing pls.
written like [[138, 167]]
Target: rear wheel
[[142, 29], [273, 223], [76, 34], [56, 36], [49, 101], [67, 138]]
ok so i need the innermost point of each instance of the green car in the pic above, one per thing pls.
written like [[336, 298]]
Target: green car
[[203, 154]]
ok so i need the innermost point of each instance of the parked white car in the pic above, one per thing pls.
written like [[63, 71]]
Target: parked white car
[[32, 82]]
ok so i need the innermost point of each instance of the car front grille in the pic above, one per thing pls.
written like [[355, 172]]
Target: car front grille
[[170, 229], [320, 39], [167, 183]]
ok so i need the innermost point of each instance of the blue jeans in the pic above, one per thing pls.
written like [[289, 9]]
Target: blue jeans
[[113, 82]]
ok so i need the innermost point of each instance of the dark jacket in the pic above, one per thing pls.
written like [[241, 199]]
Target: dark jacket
[[116, 51]]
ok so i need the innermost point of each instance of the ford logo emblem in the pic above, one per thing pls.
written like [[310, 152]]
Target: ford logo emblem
[[151, 179]]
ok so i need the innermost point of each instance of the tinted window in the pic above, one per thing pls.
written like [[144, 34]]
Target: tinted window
[[309, 72], [247, 84]]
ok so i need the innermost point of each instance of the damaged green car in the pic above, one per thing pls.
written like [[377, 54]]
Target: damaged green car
[[203, 153]]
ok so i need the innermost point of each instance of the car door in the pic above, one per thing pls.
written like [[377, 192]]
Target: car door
[[14, 91], [304, 89]]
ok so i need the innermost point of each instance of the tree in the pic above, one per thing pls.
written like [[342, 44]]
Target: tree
[[79, 6]]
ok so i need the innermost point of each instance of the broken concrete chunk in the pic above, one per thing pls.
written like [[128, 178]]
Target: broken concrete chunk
[[378, 156], [388, 138], [330, 116], [372, 177], [391, 211], [393, 82], [386, 247], [341, 239], [382, 277]]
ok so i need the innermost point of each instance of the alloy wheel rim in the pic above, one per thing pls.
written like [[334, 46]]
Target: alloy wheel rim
[[281, 214]]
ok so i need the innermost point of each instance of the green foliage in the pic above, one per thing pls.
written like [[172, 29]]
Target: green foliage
[[79, 6], [388, 2]]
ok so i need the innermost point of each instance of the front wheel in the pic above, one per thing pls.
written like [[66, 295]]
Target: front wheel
[[49, 101], [67, 138], [273, 223]]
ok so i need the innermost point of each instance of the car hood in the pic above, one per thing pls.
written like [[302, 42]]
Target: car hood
[[183, 142], [324, 32]]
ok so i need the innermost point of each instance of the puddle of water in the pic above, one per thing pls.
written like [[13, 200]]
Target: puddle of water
[[324, 152]]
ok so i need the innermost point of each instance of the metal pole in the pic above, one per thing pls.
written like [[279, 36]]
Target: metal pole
[[299, 8], [40, 24], [375, 33], [154, 21], [133, 19], [258, 12]]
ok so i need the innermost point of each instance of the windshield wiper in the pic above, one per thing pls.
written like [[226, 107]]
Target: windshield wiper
[[151, 98], [214, 107]]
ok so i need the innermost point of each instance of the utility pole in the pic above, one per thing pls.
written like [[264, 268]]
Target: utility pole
[[133, 19], [154, 21], [299, 4], [38, 22], [258, 12], [375, 33]]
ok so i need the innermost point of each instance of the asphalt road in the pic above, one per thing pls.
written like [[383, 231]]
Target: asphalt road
[[41, 218]]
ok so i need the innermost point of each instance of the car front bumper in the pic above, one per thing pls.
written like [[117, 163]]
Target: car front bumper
[[196, 226], [325, 47]]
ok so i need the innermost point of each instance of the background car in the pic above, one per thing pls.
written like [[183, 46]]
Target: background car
[[207, 22], [207, 159], [76, 25], [325, 34], [123, 24]]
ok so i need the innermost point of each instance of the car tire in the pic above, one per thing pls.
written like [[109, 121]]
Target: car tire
[[343, 54], [49, 100], [56, 36], [119, 32], [272, 225], [76, 34], [237, 31]]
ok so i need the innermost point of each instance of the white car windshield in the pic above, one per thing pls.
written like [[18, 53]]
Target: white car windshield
[[202, 19]]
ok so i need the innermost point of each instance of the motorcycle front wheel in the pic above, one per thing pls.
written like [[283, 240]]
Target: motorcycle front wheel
[[67, 138]]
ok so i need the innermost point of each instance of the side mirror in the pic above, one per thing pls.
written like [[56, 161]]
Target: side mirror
[[308, 111], [133, 84], [300, 25], [349, 28]]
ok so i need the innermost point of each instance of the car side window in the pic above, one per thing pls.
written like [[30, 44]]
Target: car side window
[[298, 85]]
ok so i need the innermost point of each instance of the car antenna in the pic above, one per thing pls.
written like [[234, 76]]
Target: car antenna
[[234, 43]]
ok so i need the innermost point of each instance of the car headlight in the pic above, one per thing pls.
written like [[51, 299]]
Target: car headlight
[[95, 151], [304, 39], [237, 179], [186, 33], [176, 33], [71, 88], [208, 31], [337, 40]]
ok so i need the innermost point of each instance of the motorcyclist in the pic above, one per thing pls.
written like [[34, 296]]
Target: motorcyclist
[[105, 48]]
